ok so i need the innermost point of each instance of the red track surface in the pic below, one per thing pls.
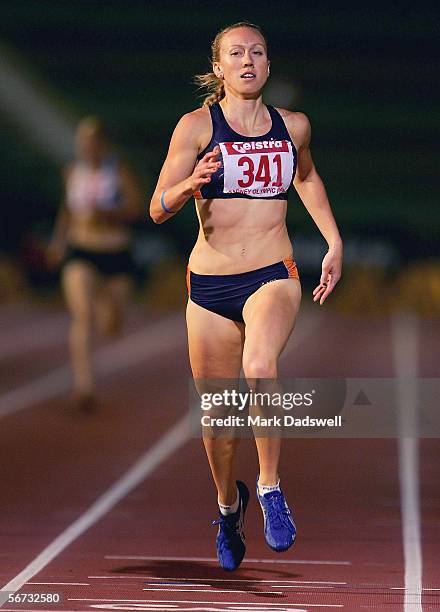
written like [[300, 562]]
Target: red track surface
[[153, 550]]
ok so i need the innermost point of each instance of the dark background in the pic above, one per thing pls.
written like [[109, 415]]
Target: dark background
[[365, 76]]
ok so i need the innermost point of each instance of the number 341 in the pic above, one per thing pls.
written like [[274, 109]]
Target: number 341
[[262, 174]]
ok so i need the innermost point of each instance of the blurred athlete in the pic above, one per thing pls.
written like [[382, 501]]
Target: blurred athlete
[[92, 241], [238, 158]]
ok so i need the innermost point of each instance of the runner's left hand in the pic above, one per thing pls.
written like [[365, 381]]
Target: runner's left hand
[[331, 273]]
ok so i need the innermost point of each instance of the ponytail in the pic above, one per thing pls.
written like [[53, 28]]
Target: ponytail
[[213, 84]]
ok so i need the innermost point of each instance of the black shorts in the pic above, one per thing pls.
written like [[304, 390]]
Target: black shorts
[[226, 294], [107, 263]]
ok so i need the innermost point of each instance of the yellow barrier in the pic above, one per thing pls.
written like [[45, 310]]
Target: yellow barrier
[[166, 289], [371, 291], [13, 285]]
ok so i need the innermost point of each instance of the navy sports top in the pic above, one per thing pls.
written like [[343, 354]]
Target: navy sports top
[[252, 166]]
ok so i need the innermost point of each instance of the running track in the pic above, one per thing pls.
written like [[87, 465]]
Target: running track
[[113, 509]]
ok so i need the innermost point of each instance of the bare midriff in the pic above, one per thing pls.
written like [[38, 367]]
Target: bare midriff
[[239, 235], [97, 236]]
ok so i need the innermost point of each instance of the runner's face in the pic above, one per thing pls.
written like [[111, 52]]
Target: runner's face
[[88, 145], [243, 61]]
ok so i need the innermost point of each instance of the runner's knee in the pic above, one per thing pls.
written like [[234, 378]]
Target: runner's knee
[[260, 366]]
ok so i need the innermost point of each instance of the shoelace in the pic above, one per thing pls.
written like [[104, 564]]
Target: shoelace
[[227, 528], [225, 525], [277, 513]]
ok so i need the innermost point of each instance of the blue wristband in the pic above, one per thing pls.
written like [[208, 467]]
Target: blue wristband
[[162, 201]]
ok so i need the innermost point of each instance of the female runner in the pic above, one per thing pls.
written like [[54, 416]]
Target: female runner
[[92, 241], [238, 157]]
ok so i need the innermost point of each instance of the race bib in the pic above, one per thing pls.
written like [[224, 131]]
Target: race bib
[[257, 168]]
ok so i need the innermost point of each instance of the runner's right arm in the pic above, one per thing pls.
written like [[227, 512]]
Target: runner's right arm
[[180, 178], [58, 242]]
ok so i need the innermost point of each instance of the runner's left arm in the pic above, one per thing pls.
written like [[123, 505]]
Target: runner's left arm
[[311, 190]]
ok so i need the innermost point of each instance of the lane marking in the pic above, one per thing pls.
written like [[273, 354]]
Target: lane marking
[[39, 390], [173, 440], [405, 353], [147, 606], [424, 589], [300, 586], [273, 582], [177, 583], [256, 580], [38, 334], [275, 586], [216, 607], [218, 591], [215, 560], [225, 603], [63, 583], [148, 343]]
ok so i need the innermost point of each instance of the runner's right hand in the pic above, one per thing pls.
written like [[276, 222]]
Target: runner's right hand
[[54, 254], [204, 169]]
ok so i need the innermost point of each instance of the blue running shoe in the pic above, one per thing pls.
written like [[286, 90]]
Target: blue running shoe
[[230, 540], [279, 528]]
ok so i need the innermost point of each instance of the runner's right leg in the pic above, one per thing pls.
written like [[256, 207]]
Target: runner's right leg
[[80, 282], [215, 352]]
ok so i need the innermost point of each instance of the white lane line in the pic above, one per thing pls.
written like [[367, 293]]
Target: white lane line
[[255, 580], [63, 583], [300, 586], [274, 582], [405, 352], [144, 344], [198, 601], [217, 606], [191, 584], [328, 582], [144, 606], [424, 589], [49, 331], [174, 439], [215, 560], [176, 583], [236, 592], [39, 390]]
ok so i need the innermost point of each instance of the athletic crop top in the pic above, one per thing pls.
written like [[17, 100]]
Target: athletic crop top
[[252, 166], [89, 187]]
